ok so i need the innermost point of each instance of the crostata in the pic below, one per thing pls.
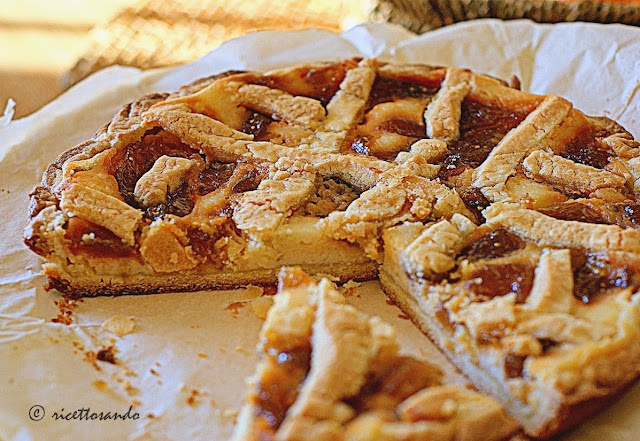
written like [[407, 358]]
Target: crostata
[[505, 224]]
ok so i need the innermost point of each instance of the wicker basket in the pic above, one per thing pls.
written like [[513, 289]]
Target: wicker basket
[[155, 33], [423, 15]]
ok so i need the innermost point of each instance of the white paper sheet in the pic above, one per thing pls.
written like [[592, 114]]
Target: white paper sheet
[[189, 342]]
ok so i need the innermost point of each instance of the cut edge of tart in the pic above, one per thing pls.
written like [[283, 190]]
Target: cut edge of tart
[[548, 327], [330, 372]]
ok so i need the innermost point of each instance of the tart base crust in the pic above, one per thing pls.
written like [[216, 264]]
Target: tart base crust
[[94, 286]]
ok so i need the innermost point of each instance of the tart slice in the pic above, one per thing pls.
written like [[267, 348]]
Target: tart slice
[[329, 372], [542, 313]]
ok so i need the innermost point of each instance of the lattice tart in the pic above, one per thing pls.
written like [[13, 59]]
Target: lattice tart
[[506, 223], [330, 372]]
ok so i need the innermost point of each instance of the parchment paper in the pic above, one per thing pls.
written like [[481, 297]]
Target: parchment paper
[[184, 364]]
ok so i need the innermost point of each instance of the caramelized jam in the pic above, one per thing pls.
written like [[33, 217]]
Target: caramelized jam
[[402, 378], [139, 157], [320, 82], [593, 275], [627, 215], [585, 149], [214, 176], [475, 201], [256, 125], [404, 127], [514, 365], [98, 242], [497, 243], [481, 129], [574, 211], [178, 204], [250, 176], [502, 279], [202, 243], [442, 315], [246, 177], [452, 165], [279, 385], [388, 89]]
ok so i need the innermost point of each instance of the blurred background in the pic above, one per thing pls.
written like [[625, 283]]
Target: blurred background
[[46, 46], [39, 41]]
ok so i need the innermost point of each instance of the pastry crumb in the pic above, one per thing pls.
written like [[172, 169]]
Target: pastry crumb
[[154, 372], [351, 284], [235, 307], [107, 355], [261, 306], [100, 384], [202, 355], [320, 276], [65, 310], [131, 390], [253, 291], [349, 289], [191, 399], [119, 324]]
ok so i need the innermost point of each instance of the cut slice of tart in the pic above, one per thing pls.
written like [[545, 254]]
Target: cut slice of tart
[[542, 313], [221, 183], [330, 372]]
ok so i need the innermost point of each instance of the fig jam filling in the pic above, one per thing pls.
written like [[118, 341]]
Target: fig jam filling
[[475, 201], [388, 89], [95, 241], [585, 149], [495, 244], [481, 129], [574, 211], [514, 365], [627, 215], [320, 82], [489, 281], [257, 125], [280, 384], [594, 275], [139, 157], [404, 127]]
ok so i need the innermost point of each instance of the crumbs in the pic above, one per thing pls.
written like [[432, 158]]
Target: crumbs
[[65, 310], [235, 307], [192, 398], [101, 385], [349, 289], [107, 355], [119, 325]]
